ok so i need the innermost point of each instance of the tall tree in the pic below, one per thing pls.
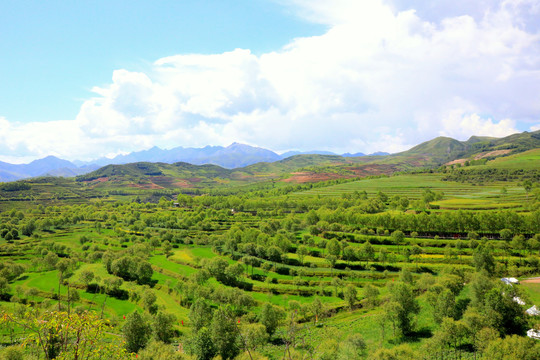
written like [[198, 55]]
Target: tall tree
[[224, 333], [135, 331]]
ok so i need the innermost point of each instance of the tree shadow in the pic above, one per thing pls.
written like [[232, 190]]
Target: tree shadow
[[416, 336]]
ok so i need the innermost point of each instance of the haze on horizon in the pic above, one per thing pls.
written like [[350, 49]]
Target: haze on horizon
[[82, 82]]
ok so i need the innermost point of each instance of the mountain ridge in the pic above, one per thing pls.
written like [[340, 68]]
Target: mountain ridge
[[236, 156]]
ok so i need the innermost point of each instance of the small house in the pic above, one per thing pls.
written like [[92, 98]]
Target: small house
[[533, 311], [533, 334], [510, 281]]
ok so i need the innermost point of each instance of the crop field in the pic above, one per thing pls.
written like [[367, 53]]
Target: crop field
[[456, 195]]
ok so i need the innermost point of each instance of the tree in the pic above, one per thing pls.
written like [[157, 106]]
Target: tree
[[353, 347], [4, 286], [331, 260], [336, 283], [162, 326], [416, 250], [473, 322], [157, 350], [402, 294], [367, 251], [371, 293], [253, 336], [203, 347], [270, 317], [406, 276], [505, 234], [450, 334], [443, 303], [149, 301], [333, 247], [167, 249], [317, 308], [12, 353], [200, 314], [62, 336], [224, 333], [302, 251], [135, 331], [274, 254], [397, 237], [399, 352], [349, 254], [513, 348], [62, 266], [483, 259], [144, 272], [86, 276], [350, 295]]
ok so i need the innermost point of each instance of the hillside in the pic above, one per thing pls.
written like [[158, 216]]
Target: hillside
[[151, 180]]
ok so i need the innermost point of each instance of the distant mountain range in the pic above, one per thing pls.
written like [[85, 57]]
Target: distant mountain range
[[233, 156], [441, 150]]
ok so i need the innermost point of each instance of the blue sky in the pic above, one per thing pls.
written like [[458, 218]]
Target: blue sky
[[56, 51], [86, 79]]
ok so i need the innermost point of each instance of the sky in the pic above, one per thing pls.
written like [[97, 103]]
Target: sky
[[86, 79]]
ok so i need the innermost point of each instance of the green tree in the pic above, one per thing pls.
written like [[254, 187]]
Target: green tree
[[224, 333], [4, 286], [402, 294], [253, 336], [398, 237], [85, 276], [59, 335], [371, 294], [505, 234], [162, 326], [302, 251], [367, 252], [200, 314], [333, 248], [513, 348], [149, 301], [270, 317], [135, 331], [353, 348], [157, 350], [202, 345], [350, 295], [483, 259]]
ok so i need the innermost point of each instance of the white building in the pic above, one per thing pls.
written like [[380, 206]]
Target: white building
[[533, 334], [533, 311], [510, 281]]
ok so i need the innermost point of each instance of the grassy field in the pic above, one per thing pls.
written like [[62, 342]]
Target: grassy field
[[525, 160]]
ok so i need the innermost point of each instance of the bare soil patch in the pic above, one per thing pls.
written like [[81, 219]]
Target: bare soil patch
[[492, 153], [147, 186], [305, 177]]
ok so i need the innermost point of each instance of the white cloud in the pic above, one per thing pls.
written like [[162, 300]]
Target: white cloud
[[535, 127], [384, 76]]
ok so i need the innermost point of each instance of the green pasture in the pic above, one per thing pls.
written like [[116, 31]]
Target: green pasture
[[526, 160]]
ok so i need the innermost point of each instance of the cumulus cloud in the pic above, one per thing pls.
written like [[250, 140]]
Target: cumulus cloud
[[384, 76]]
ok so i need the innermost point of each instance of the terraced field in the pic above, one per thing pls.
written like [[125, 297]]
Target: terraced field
[[456, 195]]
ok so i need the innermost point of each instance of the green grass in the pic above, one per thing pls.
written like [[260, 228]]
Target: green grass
[[525, 160]]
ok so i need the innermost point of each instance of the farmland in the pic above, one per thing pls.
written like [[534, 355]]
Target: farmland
[[350, 268]]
